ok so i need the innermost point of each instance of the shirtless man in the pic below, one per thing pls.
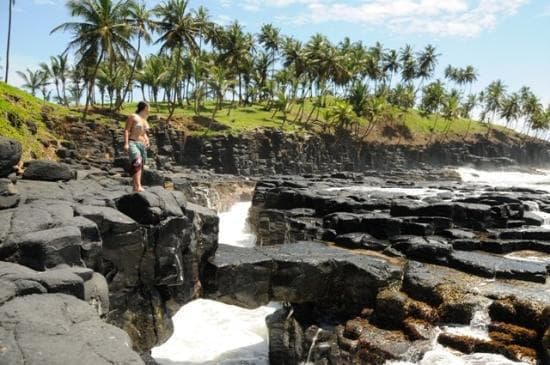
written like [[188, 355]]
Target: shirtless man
[[136, 142]]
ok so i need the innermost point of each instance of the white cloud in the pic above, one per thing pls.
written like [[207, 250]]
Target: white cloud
[[223, 19], [225, 3], [466, 18], [45, 2]]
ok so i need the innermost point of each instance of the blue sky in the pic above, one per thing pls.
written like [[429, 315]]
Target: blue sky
[[506, 39]]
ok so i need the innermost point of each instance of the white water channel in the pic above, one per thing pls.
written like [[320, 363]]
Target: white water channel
[[207, 332]]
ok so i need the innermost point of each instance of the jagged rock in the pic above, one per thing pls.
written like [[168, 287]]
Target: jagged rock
[[390, 310], [488, 265], [529, 314], [10, 154], [47, 171], [306, 272], [426, 249], [44, 249], [240, 276], [469, 345], [466, 214], [360, 241], [377, 346], [513, 335], [27, 324], [377, 225], [418, 329], [524, 234], [79, 282], [152, 178], [149, 207], [286, 338], [107, 219]]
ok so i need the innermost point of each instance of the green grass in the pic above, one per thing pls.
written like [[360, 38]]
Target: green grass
[[408, 127], [17, 108], [236, 120], [246, 118]]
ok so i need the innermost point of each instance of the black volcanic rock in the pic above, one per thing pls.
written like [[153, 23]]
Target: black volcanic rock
[[305, 272], [357, 240], [426, 249], [488, 265], [47, 171], [10, 154], [81, 337]]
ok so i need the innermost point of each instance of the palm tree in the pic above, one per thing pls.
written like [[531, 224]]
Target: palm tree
[[139, 18], [494, 95], [219, 83], [61, 69], [466, 110], [342, 116], [427, 61], [402, 96], [114, 79], [33, 80], [511, 108], [358, 98], [58, 70], [235, 50], [376, 111], [391, 64], [153, 74], [409, 66], [102, 34], [269, 37], [202, 19], [470, 76], [11, 3], [432, 100], [178, 29], [451, 109]]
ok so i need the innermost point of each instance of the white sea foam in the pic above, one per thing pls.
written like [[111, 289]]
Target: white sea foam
[[208, 332]]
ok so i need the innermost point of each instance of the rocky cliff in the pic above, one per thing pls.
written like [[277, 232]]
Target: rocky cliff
[[71, 236], [269, 151]]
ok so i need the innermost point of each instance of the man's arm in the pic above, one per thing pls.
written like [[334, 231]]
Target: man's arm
[[127, 129]]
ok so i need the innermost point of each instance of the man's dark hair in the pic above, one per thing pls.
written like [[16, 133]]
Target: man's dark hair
[[141, 107]]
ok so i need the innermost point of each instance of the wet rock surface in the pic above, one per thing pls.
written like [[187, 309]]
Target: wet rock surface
[[306, 272], [462, 250]]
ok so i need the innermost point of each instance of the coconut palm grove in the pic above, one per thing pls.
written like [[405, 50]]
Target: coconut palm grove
[[205, 69]]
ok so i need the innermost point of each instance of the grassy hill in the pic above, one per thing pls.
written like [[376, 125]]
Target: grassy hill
[[403, 127], [40, 126]]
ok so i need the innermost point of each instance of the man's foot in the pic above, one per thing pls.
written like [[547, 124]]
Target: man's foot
[[140, 190]]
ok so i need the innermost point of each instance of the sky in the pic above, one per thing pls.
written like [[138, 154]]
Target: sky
[[502, 39]]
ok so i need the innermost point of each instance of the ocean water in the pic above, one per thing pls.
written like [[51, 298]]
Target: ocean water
[[207, 332]]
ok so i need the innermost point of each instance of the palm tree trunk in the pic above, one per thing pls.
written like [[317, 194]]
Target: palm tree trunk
[[172, 105], [240, 88], [64, 91], [10, 5], [57, 90], [131, 77], [91, 87]]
